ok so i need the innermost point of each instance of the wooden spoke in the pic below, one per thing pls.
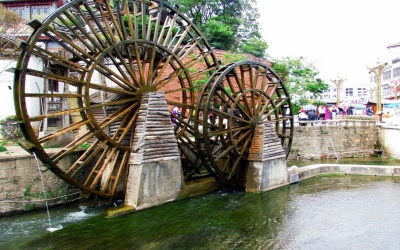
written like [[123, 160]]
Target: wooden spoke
[[81, 93], [235, 100]]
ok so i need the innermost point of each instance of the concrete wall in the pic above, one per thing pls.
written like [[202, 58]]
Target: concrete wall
[[21, 186], [349, 139], [303, 173], [390, 140]]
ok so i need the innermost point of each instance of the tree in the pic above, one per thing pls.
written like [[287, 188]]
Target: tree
[[219, 34], [299, 78], [255, 46], [11, 25], [248, 36], [9, 21], [227, 24]]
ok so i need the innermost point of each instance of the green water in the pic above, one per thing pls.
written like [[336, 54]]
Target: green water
[[325, 212], [215, 221]]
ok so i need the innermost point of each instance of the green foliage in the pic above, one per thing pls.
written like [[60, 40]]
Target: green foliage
[[298, 103], [231, 57], [219, 34], [227, 24], [39, 17], [294, 149], [85, 145], [28, 207], [299, 77], [198, 84], [42, 195], [11, 23], [317, 87], [228, 90], [9, 20], [318, 103], [3, 146], [255, 46], [27, 192]]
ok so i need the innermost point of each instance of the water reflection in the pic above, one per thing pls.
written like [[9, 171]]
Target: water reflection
[[343, 213]]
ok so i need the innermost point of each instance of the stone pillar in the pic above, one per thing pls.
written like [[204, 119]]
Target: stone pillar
[[267, 160], [155, 172]]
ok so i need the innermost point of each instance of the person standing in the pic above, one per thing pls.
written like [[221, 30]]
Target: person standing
[[321, 112], [302, 117], [311, 116], [333, 111], [369, 111], [176, 113], [327, 113]]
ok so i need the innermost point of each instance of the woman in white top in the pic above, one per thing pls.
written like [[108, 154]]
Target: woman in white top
[[321, 112]]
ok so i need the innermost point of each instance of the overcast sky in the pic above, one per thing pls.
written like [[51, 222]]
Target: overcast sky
[[340, 37]]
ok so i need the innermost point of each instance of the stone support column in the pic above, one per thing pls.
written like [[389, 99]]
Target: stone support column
[[267, 160], [155, 172]]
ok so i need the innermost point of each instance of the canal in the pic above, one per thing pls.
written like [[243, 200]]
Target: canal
[[325, 212]]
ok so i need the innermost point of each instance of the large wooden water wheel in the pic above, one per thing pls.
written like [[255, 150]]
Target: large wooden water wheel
[[82, 97], [237, 98], [110, 55]]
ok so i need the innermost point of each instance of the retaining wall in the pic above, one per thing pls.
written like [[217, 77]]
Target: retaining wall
[[303, 173], [389, 137], [337, 138], [21, 187]]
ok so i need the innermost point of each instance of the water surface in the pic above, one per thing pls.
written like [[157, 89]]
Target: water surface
[[326, 212]]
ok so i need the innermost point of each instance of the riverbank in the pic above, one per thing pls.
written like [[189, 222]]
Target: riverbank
[[297, 174]]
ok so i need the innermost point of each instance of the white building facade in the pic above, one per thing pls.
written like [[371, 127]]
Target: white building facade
[[349, 92], [391, 76]]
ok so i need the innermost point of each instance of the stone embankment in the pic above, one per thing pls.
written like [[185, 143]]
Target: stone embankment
[[21, 188], [298, 174], [335, 139]]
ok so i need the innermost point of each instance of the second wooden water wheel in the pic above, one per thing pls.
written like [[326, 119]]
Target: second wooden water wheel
[[237, 98]]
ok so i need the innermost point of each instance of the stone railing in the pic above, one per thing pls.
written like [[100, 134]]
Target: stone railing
[[335, 122]]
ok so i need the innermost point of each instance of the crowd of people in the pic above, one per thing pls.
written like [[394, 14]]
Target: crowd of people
[[325, 112]]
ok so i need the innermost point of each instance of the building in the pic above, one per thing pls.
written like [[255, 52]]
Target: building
[[362, 93], [391, 76], [28, 9], [350, 93]]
